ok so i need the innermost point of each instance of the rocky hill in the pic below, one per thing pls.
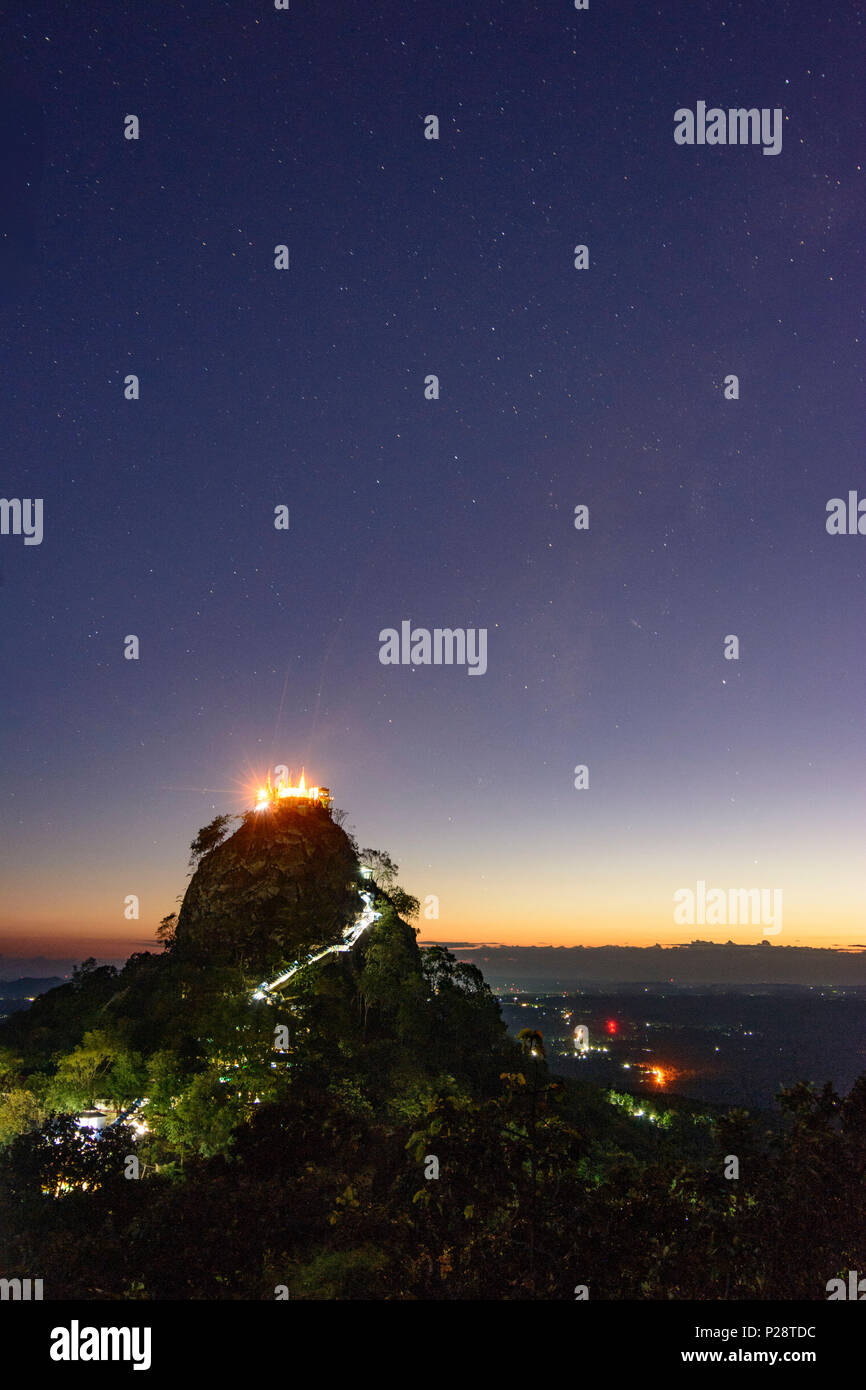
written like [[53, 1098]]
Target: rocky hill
[[285, 882]]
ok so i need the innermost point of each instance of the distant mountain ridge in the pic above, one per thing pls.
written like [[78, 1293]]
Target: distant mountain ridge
[[27, 985], [697, 962]]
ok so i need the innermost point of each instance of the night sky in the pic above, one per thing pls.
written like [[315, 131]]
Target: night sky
[[558, 387]]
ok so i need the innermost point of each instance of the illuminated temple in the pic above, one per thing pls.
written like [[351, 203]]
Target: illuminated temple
[[271, 794]]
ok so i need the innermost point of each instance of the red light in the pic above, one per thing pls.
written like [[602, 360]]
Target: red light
[[612, 1025]]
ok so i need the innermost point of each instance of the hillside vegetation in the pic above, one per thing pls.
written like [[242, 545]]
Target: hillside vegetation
[[371, 1131]]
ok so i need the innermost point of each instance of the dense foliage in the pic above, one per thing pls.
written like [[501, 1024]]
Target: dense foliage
[[374, 1133]]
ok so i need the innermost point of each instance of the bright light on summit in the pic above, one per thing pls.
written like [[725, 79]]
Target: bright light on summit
[[269, 796]]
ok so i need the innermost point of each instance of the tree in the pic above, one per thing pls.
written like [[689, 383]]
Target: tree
[[11, 1067], [404, 904], [81, 973], [79, 1071], [90, 976], [533, 1045], [209, 837], [206, 1114], [465, 1029], [60, 1157], [341, 818], [167, 929], [388, 969], [127, 1078], [384, 869], [854, 1122], [19, 1114]]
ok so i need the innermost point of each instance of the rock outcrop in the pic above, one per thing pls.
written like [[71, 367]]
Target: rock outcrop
[[283, 884]]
